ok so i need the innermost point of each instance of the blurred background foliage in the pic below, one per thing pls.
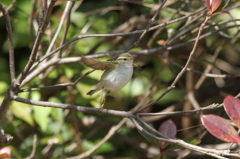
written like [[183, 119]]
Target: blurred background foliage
[[64, 133]]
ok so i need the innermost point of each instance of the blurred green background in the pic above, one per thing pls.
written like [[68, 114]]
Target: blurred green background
[[65, 133]]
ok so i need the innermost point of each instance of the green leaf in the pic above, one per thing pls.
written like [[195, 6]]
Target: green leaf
[[57, 113], [87, 145], [139, 86], [106, 147], [175, 95], [167, 75], [69, 72], [41, 116], [3, 87], [52, 127], [65, 133], [22, 111], [54, 74]]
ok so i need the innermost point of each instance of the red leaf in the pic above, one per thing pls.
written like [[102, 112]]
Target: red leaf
[[220, 128], [5, 152], [208, 5], [169, 129], [232, 107], [215, 4]]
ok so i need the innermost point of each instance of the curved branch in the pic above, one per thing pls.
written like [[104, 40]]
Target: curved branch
[[72, 107]]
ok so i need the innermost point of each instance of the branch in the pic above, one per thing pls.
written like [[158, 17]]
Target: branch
[[34, 147], [147, 28], [111, 35], [37, 43], [58, 85], [160, 97], [111, 132], [210, 152], [9, 7], [158, 50], [210, 107], [63, 18], [72, 107], [11, 46]]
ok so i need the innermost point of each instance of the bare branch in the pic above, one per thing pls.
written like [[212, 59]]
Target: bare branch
[[211, 152], [31, 20], [34, 147], [210, 107], [9, 7], [58, 85], [37, 44], [147, 28], [111, 35], [11, 46], [72, 107], [110, 133], [66, 12], [192, 52]]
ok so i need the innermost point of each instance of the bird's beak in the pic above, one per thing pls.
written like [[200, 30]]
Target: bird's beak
[[133, 57]]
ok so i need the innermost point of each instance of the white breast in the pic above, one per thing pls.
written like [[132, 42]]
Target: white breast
[[118, 77]]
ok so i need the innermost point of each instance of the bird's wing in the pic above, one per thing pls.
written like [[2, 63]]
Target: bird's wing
[[95, 64]]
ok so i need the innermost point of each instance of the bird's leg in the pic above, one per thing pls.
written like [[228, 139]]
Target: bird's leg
[[103, 98]]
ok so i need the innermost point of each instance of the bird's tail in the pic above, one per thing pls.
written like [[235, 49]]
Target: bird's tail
[[91, 92], [95, 89]]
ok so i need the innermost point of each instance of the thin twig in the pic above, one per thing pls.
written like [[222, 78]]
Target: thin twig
[[192, 52], [34, 147], [41, 13], [211, 152], [160, 97], [209, 67], [63, 18], [201, 37], [110, 133], [69, 7], [210, 107], [11, 45], [7, 99], [111, 35], [31, 20], [36, 44], [183, 70], [202, 73], [57, 132], [9, 7], [72, 107], [57, 85], [147, 28], [158, 50]]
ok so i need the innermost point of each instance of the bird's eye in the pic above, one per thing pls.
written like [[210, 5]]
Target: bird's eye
[[125, 59]]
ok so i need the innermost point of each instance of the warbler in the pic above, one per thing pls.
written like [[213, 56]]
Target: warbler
[[116, 73]]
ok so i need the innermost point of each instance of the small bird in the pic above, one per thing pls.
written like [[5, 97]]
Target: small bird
[[116, 75]]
